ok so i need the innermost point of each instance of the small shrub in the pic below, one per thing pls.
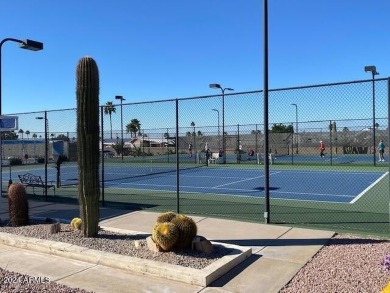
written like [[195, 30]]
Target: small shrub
[[15, 161]]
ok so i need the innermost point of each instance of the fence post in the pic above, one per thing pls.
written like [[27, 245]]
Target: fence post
[[238, 145], [256, 138], [102, 152], [267, 217], [330, 142], [292, 144], [388, 132], [177, 158]]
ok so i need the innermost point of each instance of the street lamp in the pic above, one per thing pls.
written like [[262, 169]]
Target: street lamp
[[24, 44], [218, 86], [219, 137], [121, 99], [46, 148], [296, 123], [373, 71]]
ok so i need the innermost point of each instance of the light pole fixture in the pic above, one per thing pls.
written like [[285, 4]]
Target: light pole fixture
[[218, 86], [296, 124], [24, 44], [373, 71], [121, 99], [46, 148], [219, 137]]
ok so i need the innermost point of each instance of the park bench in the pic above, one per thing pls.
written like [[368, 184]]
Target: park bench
[[214, 158], [31, 180]]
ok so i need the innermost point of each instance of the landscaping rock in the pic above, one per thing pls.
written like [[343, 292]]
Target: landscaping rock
[[54, 228], [153, 246], [200, 243]]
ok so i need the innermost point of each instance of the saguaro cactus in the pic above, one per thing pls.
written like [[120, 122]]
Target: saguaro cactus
[[87, 91]]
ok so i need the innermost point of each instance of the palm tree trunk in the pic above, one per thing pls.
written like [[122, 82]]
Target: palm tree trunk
[[111, 125]]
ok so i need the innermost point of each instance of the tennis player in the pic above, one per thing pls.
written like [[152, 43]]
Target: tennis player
[[322, 149]]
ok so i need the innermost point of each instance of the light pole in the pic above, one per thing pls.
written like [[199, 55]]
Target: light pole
[[373, 71], [219, 137], [46, 148], [218, 86], [121, 99], [24, 44], [296, 124]]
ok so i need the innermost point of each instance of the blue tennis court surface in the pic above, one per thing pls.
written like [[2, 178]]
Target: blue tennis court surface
[[335, 158], [320, 186], [323, 186]]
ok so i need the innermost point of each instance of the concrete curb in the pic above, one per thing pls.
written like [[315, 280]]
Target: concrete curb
[[202, 277]]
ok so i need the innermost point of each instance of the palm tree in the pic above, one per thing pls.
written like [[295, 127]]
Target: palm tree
[[193, 134], [109, 108], [133, 127], [193, 125], [27, 133], [21, 131], [34, 136]]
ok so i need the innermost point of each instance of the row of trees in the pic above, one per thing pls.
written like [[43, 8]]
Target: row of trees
[[133, 127], [12, 135]]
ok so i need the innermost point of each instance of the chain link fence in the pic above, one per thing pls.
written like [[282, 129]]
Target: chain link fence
[[205, 155]]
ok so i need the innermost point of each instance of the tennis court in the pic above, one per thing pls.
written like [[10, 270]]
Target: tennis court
[[338, 159], [299, 185]]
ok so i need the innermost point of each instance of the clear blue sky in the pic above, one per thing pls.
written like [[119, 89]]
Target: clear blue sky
[[152, 50]]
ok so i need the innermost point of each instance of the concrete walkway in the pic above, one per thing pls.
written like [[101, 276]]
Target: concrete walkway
[[278, 252]]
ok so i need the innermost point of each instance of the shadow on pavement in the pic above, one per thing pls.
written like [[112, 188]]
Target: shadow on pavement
[[68, 208]]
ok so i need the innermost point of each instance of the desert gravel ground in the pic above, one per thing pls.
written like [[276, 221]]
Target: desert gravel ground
[[348, 263]]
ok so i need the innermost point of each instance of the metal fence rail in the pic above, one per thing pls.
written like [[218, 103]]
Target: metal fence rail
[[176, 138]]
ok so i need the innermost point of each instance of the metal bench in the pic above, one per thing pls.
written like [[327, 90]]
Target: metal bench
[[214, 158], [33, 181]]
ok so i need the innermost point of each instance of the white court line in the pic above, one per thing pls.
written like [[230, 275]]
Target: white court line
[[335, 158], [234, 182], [204, 176], [239, 195], [368, 188], [238, 189]]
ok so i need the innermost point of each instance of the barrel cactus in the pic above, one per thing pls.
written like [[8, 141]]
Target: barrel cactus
[[76, 223], [187, 230], [166, 217], [87, 92], [165, 235], [17, 205]]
